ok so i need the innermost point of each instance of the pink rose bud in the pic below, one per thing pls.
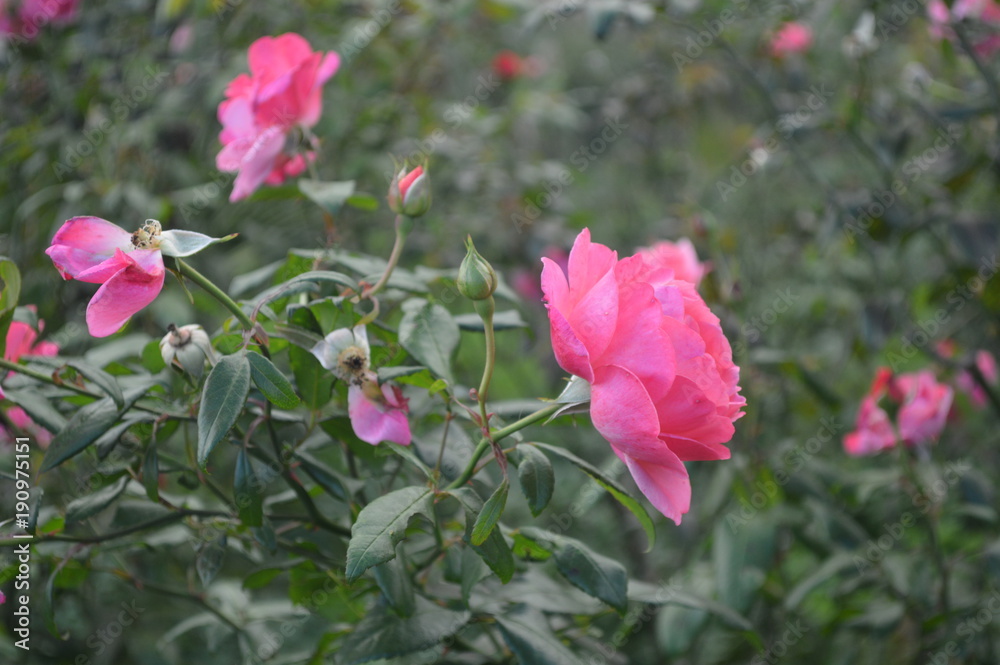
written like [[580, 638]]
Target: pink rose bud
[[410, 192]]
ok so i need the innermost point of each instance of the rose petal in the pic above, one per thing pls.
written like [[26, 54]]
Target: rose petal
[[373, 422], [664, 481], [128, 291], [83, 242]]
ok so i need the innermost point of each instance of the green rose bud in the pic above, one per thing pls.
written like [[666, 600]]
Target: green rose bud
[[476, 278]]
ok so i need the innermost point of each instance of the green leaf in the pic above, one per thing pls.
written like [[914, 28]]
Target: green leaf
[[653, 594], [307, 281], [99, 378], [38, 408], [247, 491], [313, 381], [394, 581], [594, 574], [91, 504], [381, 524], [429, 333], [209, 560], [384, 634], [151, 472], [330, 196], [474, 569], [261, 578], [494, 550], [487, 519], [830, 568], [9, 295], [271, 382], [611, 486], [527, 634], [363, 202], [222, 400], [335, 484], [86, 425], [534, 472]]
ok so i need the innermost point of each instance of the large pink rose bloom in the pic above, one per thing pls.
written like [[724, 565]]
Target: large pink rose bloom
[[680, 256], [664, 389], [261, 109], [21, 341]]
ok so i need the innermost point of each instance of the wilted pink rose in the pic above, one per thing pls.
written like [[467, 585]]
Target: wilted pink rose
[[128, 266], [923, 406], [281, 93], [792, 37], [680, 257], [21, 341], [664, 389], [987, 366], [987, 11]]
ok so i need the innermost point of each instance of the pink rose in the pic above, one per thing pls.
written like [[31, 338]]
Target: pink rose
[[680, 256], [38, 13], [21, 341], [987, 11], [664, 388], [792, 37], [923, 406], [281, 93], [128, 266]]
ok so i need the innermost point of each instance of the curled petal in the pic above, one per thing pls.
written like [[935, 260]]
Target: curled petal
[[84, 242], [133, 287], [663, 480], [374, 422], [185, 243], [623, 413]]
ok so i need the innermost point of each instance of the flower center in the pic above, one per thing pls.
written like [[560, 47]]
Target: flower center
[[147, 237], [353, 362]]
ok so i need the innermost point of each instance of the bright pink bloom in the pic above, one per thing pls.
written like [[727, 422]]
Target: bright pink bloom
[[987, 366], [21, 341], [94, 250], [664, 388], [873, 431], [679, 256], [792, 37], [38, 13], [378, 418], [281, 93], [507, 65]]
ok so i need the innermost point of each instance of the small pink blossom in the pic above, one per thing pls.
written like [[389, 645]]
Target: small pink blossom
[[792, 37], [986, 11], [261, 110], [680, 257], [22, 341], [664, 389], [128, 266]]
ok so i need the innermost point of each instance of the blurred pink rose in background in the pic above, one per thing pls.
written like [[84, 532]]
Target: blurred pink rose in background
[[922, 409], [31, 16], [792, 37], [664, 388], [261, 110], [987, 366], [21, 341], [679, 256]]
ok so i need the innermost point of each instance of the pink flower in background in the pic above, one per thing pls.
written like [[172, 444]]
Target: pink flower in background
[[792, 37], [525, 280], [128, 266], [680, 257], [281, 93], [986, 11], [508, 65], [38, 13], [377, 413], [987, 366], [22, 340], [664, 389], [923, 406]]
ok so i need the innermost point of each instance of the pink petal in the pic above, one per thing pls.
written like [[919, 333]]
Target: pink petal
[[83, 242], [20, 337], [664, 481], [373, 422], [691, 424], [125, 293], [570, 352], [623, 413], [256, 161]]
